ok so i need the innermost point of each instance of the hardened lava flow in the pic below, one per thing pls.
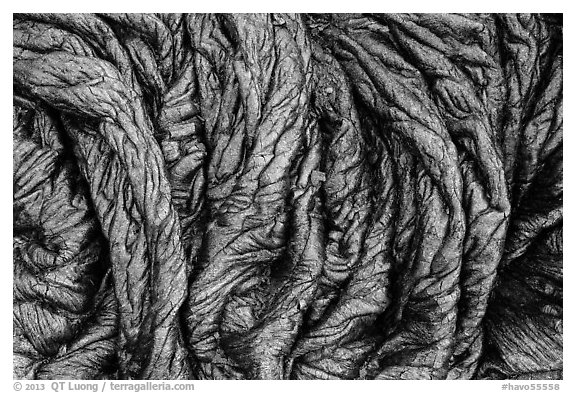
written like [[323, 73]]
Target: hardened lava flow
[[274, 196]]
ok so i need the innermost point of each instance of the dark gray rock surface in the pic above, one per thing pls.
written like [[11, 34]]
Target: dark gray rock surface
[[347, 196]]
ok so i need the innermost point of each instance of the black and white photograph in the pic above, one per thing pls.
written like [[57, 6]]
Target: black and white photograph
[[286, 196]]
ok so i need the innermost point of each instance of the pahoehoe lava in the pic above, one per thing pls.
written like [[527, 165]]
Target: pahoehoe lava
[[274, 196]]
